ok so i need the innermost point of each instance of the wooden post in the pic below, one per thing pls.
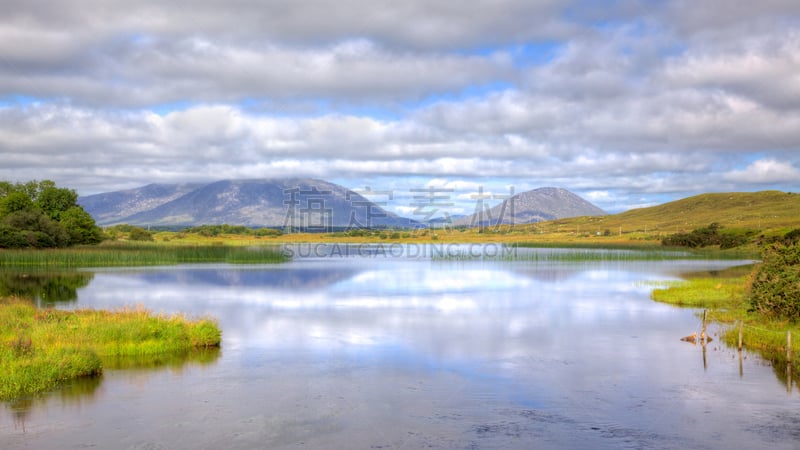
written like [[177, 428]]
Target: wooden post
[[789, 346], [705, 360], [741, 366], [703, 334], [741, 325]]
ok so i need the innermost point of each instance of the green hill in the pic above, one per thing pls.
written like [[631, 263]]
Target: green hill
[[766, 210]]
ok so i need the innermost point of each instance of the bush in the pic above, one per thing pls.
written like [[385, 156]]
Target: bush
[[706, 236], [140, 234], [775, 284]]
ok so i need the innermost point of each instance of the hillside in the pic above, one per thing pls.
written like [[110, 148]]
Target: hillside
[[295, 202], [114, 207], [536, 205], [753, 210]]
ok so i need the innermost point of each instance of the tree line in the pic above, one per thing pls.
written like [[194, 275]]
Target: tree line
[[39, 214]]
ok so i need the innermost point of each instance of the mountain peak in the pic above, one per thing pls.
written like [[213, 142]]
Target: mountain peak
[[536, 205]]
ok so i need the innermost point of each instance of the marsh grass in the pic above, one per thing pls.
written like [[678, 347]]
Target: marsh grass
[[727, 299], [118, 254], [39, 349], [702, 292], [547, 254]]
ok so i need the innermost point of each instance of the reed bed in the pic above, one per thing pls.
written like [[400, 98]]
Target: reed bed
[[41, 348], [546, 255], [124, 254]]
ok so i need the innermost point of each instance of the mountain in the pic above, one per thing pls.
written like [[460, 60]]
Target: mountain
[[295, 202], [114, 207], [537, 205]]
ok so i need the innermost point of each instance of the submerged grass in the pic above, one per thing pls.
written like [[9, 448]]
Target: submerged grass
[[117, 254], [39, 349]]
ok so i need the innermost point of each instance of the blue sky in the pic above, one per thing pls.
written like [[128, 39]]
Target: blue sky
[[628, 103]]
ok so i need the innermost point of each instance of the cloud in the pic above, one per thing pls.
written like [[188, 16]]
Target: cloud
[[155, 72], [616, 100], [445, 25], [765, 171], [762, 69]]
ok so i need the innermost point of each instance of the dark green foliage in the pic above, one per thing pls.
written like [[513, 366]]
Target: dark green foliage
[[216, 230], [41, 215], [15, 202], [775, 285], [267, 232], [707, 236], [54, 201], [140, 234], [792, 237], [80, 226]]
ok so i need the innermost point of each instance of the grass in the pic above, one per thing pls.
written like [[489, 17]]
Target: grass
[[703, 293], [114, 254], [726, 297], [42, 348]]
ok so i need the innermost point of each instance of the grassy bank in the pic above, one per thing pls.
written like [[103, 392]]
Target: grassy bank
[[41, 348], [114, 254], [726, 298]]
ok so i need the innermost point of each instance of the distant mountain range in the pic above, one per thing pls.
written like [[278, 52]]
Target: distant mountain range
[[537, 205], [302, 203]]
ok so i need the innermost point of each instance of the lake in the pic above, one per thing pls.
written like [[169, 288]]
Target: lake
[[401, 349]]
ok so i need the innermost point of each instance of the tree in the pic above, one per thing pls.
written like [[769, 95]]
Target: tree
[[80, 226], [39, 214], [15, 202], [54, 201]]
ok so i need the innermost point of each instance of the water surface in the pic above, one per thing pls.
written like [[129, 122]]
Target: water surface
[[384, 351]]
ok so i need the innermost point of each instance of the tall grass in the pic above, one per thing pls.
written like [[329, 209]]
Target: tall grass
[[562, 254], [126, 254], [40, 349]]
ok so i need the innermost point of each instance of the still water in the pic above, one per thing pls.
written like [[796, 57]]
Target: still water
[[388, 351]]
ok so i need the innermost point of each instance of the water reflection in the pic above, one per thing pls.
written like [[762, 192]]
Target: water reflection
[[83, 392], [77, 393], [47, 288]]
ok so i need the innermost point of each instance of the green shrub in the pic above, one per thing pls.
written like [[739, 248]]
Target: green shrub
[[707, 236], [775, 284], [140, 234]]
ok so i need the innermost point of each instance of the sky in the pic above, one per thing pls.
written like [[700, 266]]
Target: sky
[[627, 103]]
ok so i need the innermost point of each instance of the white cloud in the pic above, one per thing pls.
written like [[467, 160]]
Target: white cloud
[[765, 171], [595, 196]]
